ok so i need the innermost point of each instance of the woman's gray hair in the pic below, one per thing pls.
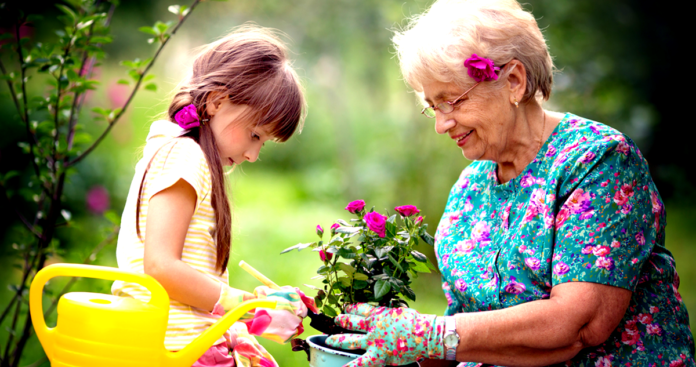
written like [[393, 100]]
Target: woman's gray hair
[[434, 45]]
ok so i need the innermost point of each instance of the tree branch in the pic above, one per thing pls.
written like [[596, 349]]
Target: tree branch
[[135, 89]]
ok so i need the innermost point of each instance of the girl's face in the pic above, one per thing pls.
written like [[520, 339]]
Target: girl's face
[[238, 140]]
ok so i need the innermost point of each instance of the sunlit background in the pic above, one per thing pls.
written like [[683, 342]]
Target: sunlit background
[[364, 137]]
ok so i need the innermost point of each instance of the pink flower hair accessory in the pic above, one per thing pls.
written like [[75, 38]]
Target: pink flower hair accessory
[[187, 117], [481, 69]]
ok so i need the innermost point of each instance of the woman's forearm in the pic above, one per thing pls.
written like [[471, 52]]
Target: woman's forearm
[[577, 315]]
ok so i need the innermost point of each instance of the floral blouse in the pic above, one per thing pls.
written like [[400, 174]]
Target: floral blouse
[[585, 210]]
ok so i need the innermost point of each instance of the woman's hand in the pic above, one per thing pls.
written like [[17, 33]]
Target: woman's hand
[[394, 335]]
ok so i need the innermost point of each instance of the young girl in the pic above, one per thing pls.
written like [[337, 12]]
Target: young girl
[[176, 223]]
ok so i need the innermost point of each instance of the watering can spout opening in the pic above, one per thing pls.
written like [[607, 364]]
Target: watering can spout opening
[[187, 356]]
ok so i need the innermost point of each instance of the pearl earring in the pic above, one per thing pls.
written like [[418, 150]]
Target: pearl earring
[[517, 105]]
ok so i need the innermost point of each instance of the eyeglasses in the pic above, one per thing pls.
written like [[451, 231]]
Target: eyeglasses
[[446, 106]]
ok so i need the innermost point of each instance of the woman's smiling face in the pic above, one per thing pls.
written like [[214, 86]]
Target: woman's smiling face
[[480, 123]]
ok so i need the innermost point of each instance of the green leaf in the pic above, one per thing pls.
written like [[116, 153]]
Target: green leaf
[[393, 261], [151, 87], [161, 27], [101, 39], [123, 81], [421, 267], [317, 301], [328, 311], [149, 30], [348, 230], [419, 256], [359, 284], [392, 219], [112, 217], [427, 238], [360, 277], [345, 281], [174, 9], [382, 287], [408, 293], [67, 11], [349, 270], [381, 252], [347, 253], [299, 247]]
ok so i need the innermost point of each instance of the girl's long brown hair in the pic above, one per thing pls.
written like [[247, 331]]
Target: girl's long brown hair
[[249, 67]]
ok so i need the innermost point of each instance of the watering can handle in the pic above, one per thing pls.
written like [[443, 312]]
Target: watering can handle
[[159, 297]]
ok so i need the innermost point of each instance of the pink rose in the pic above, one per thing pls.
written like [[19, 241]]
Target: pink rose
[[418, 221], [376, 223], [325, 256], [356, 206], [481, 69], [187, 117], [407, 210]]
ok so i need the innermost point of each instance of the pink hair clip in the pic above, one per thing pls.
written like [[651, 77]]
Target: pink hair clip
[[187, 117], [481, 69]]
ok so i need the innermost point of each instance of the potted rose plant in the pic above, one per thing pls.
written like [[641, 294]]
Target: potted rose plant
[[371, 259]]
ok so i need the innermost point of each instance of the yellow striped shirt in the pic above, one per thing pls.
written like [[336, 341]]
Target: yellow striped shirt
[[175, 159]]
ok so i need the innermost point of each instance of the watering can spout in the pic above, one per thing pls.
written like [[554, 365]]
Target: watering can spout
[[187, 356]]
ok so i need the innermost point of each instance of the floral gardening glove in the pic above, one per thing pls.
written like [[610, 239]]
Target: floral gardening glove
[[285, 321], [394, 335], [230, 298]]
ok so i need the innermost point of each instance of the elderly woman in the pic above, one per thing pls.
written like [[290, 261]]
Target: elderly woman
[[552, 244]]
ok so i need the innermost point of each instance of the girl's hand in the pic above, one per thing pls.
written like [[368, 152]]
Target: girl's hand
[[230, 298], [285, 321], [394, 335]]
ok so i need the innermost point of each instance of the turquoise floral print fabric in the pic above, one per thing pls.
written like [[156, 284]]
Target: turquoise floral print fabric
[[586, 209]]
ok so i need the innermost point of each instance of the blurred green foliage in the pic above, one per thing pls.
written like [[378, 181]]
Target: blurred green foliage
[[363, 137]]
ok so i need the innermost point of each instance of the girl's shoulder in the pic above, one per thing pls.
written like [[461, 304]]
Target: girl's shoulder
[[181, 152]]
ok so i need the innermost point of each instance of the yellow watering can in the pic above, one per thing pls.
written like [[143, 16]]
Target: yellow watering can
[[96, 329]]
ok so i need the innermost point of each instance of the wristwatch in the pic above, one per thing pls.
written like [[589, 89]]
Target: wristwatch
[[451, 339]]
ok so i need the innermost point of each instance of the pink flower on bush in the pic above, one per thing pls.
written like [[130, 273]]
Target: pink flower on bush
[[320, 231], [481, 69], [376, 223], [355, 206], [97, 200], [325, 256], [407, 210], [418, 220]]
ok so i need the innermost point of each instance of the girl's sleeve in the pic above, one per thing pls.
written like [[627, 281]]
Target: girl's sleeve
[[182, 159], [607, 225]]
